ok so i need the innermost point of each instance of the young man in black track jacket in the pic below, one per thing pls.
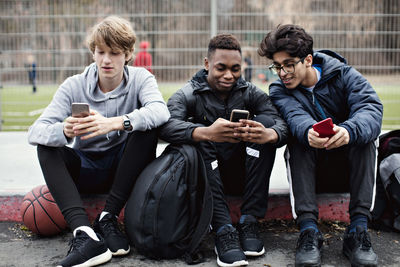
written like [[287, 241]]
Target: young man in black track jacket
[[238, 155]]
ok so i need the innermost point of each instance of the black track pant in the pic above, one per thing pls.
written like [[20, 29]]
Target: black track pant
[[61, 167], [345, 169], [239, 169]]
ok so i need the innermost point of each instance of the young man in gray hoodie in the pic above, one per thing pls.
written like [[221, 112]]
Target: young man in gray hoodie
[[110, 147]]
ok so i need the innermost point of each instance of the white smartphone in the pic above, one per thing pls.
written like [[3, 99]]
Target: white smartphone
[[80, 110]]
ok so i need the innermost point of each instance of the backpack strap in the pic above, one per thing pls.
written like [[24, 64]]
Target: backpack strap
[[199, 171], [190, 101]]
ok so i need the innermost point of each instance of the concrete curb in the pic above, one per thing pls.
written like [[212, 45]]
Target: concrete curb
[[332, 207]]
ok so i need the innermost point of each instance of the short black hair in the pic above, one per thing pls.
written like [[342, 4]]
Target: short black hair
[[223, 41], [290, 38]]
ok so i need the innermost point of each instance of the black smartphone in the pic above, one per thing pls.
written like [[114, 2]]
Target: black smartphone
[[238, 114], [80, 110]]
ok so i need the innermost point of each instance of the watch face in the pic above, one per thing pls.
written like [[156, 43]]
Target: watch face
[[127, 124]]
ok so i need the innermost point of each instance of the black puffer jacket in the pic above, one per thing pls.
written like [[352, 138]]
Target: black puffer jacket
[[344, 95], [208, 108]]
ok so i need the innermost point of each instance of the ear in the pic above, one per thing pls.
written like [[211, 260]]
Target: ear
[[308, 60], [128, 55], [206, 63]]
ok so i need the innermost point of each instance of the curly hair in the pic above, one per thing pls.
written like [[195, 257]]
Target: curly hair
[[289, 38], [115, 32], [223, 41]]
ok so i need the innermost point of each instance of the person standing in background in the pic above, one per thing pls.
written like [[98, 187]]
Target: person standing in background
[[248, 67], [143, 58], [31, 65]]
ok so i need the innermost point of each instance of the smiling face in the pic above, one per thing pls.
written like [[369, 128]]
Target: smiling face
[[302, 74], [224, 69], [110, 63]]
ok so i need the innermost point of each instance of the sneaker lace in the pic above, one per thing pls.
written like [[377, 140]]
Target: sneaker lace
[[307, 240], [249, 230], [110, 226], [229, 241], [76, 243], [365, 240]]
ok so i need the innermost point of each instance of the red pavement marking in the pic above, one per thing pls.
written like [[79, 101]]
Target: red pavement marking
[[332, 207]]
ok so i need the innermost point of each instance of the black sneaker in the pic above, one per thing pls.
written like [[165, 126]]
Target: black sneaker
[[115, 239], [308, 248], [249, 238], [357, 248], [228, 249], [85, 251]]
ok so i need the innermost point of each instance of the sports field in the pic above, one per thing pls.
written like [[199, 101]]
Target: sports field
[[20, 107]]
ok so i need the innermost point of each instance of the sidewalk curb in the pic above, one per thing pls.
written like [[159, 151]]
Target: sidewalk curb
[[332, 207]]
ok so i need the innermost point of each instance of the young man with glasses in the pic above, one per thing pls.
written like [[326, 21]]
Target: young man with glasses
[[314, 86]]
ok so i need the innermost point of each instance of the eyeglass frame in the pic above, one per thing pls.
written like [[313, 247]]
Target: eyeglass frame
[[277, 70]]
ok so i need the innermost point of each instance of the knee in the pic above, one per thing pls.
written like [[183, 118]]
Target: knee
[[264, 120], [149, 135], [46, 152], [43, 150]]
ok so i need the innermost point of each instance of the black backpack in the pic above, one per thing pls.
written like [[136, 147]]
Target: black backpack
[[170, 208], [386, 213]]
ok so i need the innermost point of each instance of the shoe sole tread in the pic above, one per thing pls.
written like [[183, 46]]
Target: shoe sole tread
[[97, 260], [254, 253]]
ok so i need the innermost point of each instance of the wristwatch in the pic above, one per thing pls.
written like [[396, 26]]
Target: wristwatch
[[126, 123]]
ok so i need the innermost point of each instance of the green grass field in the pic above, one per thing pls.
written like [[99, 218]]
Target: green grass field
[[20, 107]]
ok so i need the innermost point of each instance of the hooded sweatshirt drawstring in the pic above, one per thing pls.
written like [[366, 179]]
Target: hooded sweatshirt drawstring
[[105, 102], [116, 107]]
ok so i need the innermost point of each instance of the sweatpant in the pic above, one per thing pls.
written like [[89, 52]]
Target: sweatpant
[[350, 168], [239, 169], [69, 173]]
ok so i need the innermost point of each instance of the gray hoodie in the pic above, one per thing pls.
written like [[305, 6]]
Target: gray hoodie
[[138, 97]]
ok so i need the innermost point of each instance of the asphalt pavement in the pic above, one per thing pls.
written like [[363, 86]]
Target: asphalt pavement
[[20, 172], [20, 247]]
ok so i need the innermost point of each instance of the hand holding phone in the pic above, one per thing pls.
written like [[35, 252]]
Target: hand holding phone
[[238, 114], [80, 110], [324, 128]]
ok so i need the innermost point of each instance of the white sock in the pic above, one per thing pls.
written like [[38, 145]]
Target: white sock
[[87, 230], [102, 214]]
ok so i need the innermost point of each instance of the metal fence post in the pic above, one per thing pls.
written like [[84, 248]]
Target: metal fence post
[[214, 19]]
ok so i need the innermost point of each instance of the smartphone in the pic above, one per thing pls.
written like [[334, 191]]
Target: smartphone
[[324, 128], [80, 110], [238, 114]]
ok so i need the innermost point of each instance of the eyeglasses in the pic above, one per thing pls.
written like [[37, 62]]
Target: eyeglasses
[[287, 68]]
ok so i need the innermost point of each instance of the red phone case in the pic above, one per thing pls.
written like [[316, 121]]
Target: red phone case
[[324, 128]]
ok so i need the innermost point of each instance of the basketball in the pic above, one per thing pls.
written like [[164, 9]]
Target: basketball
[[40, 212]]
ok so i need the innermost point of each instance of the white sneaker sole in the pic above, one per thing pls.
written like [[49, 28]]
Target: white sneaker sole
[[121, 252], [224, 264], [254, 253], [99, 259]]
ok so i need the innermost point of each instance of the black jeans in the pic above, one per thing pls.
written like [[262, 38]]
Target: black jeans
[[344, 169], [61, 167], [239, 169]]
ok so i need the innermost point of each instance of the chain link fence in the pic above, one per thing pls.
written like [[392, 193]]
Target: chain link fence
[[51, 33]]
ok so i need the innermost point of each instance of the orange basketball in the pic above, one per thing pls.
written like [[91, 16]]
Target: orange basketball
[[40, 212]]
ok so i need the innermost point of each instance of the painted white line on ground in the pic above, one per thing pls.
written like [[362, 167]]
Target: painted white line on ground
[[35, 112], [14, 113]]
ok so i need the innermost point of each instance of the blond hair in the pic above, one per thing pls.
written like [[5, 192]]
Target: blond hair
[[115, 32]]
